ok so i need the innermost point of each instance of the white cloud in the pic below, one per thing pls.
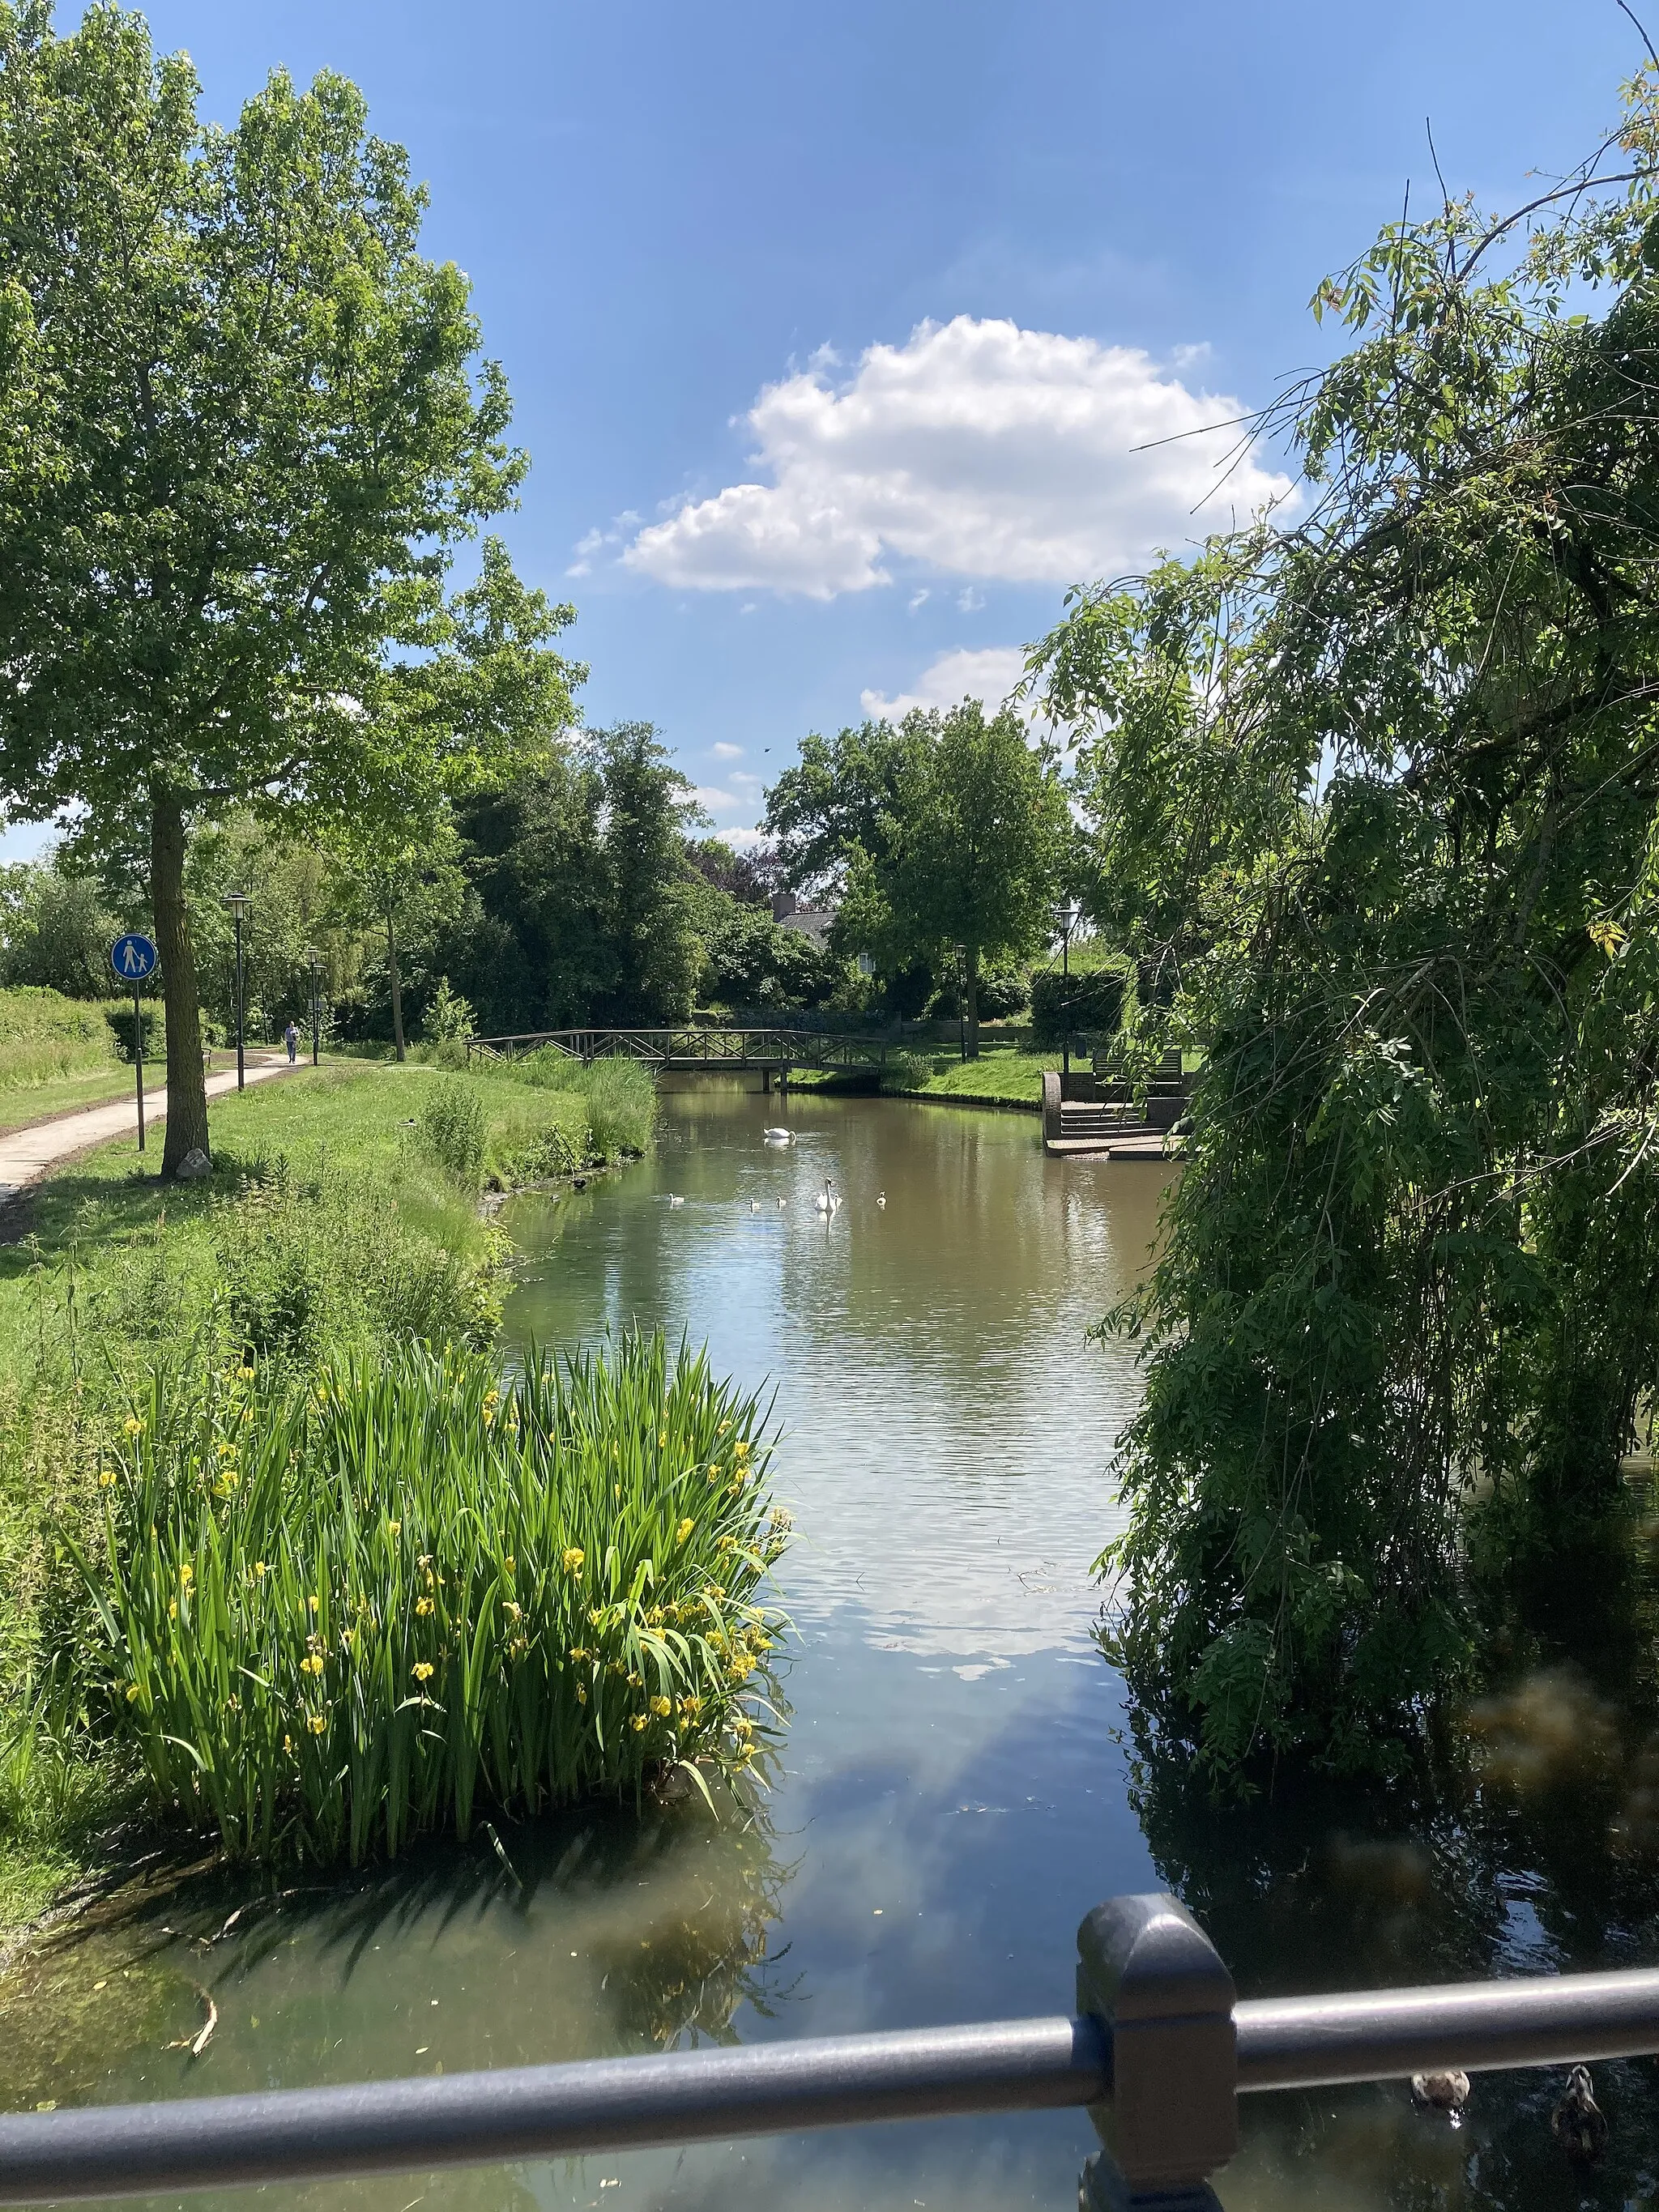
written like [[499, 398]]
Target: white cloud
[[723, 751], [976, 447], [969, 600], [594, 542], [990, 674]]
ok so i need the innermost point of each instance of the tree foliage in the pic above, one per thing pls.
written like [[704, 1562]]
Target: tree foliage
[[1382, 792], [582, 906], [946, 836], [241, 432]]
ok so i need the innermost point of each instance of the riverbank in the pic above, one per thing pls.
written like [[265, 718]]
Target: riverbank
[[344, 1213], [1004, 1077]]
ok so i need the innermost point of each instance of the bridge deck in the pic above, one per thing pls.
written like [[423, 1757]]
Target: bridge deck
[[695, 1048]]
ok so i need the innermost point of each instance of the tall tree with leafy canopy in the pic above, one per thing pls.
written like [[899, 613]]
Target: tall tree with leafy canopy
[[1385, 787], [242, 429], [845, 794], [969, 849]]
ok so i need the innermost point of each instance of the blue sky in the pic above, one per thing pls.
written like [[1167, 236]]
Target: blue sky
[[830, 328]]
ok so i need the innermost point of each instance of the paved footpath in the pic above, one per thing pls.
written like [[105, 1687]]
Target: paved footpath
[[27, 1154]]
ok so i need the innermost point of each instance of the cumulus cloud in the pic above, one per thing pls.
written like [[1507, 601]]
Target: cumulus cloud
[[977, 448], [989, 673], [723, 751]]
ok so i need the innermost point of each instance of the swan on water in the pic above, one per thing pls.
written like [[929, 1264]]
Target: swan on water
[[779, 1136], [672, 1200], [754, 1205], [827, 1200], [881, 1198]]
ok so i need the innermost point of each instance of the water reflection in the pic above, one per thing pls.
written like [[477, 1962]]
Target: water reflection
[[960, 1781], [1531, 1846]]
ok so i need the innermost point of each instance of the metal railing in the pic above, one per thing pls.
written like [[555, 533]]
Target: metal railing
[[696, 1045], [1160, 2052]]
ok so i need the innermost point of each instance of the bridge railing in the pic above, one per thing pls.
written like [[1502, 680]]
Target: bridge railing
[[1159, 2050], [694, 1045]]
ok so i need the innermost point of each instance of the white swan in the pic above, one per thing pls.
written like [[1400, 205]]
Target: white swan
[[672, 1200], [754, 1205], [827, 1200], [779, 1136]]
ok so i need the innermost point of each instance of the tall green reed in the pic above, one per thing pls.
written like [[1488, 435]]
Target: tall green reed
[[336, 1615], [619, 1096]]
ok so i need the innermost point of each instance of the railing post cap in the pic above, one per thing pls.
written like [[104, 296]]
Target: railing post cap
[[1143, 1957], [1149, 1972]]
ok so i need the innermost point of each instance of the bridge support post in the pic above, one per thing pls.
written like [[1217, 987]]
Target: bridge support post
[[1148, 1971]]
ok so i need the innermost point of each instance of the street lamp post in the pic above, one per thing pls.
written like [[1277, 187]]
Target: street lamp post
[[316, 959], [237, 902], [1069, 917]]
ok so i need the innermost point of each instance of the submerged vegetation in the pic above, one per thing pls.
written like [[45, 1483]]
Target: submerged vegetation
[[340, 1612]]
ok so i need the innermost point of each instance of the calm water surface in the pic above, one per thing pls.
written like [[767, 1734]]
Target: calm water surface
[[957, 1785]]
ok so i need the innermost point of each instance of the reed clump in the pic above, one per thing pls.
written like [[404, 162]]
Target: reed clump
[[619, 1096], [333, 1615]]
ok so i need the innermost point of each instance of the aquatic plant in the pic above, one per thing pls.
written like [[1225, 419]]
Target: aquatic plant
[[620, 1096], [336, 1614]]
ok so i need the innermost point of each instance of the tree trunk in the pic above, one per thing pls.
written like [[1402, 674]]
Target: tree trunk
[[396, 985], [187, 1120], [970, 966]]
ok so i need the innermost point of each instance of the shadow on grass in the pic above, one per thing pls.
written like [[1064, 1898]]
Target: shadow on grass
[[90, 1210]]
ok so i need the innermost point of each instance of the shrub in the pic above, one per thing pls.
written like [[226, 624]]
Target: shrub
[[1089, 1002], [449, 1017], [529, 1148], [336, 1616], [452, 1126], [905, 1070]]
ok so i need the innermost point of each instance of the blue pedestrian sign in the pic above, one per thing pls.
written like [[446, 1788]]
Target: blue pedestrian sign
[[133, 957]]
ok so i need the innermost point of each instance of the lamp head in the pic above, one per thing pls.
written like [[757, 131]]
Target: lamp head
[[237, 902]]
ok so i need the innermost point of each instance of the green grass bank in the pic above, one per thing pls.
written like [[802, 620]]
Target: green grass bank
[[58, 1053], [292, 1368]]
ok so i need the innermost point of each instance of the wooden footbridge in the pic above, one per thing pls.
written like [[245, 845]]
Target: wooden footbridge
[[702, 1048]]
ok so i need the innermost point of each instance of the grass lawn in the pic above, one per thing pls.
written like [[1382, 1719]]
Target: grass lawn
[[357, 1124], [25, 1103], [1003, 1074]]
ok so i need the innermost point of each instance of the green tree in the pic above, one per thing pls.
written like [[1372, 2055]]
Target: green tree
[[845, 794], [406, 888], [241, 432], [1388, 784], [583, 905], [647, 811], [970, 853], [56, 929]]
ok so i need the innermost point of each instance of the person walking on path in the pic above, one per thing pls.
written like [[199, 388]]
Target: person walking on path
[[291, 1039]]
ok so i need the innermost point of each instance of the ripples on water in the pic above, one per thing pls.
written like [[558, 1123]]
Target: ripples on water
[[955, 1788]]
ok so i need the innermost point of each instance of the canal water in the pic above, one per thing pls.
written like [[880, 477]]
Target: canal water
[[958, 1779]]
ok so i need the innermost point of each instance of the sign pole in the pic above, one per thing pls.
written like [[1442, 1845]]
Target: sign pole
[[138, 1061], [134, 959]]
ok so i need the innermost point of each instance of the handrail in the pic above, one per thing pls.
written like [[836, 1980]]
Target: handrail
[[705, 1043], [1160, 2053]]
